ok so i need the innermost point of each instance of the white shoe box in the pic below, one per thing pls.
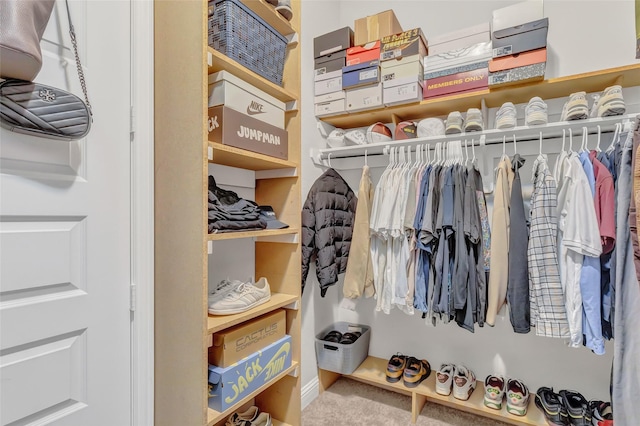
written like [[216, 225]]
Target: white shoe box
[[363, 98], [330, 104], [329, 85], [392, 72], [460, 39], [403, 93], [328, 75], [228, 90]]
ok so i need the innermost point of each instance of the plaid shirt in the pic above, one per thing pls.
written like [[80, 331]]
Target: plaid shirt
[[548, 313]]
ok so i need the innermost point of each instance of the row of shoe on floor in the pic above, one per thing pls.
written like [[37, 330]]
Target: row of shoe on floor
[[251, 417], [564, 408], [609, 103]]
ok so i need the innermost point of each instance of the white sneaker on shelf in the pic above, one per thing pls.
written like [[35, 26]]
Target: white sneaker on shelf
[[444, 379], [473, 122], [264, 419], [248, 416], [242, 298], [506, 117], [464, 383], [611, 102], [535, 113], [454, 123], [576, 108], [284, 9], [223, 288]]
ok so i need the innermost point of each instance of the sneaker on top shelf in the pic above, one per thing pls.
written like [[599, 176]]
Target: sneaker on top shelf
[[473, 122], [464, 383], [242, 298], [576, 108], [506, 117], [517, 397], [577, 407], [395, 368], [611, 102], [237, 419], [444, 379], [535, 113], [454, 123], [493, 391]]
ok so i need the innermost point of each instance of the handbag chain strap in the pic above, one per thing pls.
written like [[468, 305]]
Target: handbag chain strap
[[83, 83]]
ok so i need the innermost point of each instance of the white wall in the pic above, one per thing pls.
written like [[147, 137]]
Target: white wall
[[603, 36]]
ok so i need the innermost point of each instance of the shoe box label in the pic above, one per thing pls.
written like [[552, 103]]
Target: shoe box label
[[408, 43], [229, 385], [230, 127]]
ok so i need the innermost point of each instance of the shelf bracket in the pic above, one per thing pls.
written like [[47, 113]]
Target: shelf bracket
[[277, 173], [295, 372], [291, 106], [287, 239], [325, 128], [292, 39], [209, 247], [293, 306]]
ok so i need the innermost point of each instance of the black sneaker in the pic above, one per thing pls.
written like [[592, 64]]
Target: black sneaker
[[551, 406], [395, 368], [415, 372], [577, 406]]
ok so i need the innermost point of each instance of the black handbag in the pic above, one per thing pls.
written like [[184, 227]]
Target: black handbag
[[39, 110]]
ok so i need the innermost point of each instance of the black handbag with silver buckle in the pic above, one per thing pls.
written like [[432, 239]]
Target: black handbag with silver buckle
[[39, 110]]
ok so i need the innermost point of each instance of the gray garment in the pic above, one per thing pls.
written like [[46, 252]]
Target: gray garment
[[473, 233], [625, 392], [460, 280], [518, 287]]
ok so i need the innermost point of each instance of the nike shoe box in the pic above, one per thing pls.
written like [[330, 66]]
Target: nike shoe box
[[228, 385], [519, 75], [235, 343], [365, 53], [518, 60], [228, 90], [460, 39], [335, 41], [406, 91], [517, 14], [455, 83], [521, 38], [363, 98], [409, 67], [362, 74], [230, 127], [375, 27], [329, 63], [408, 43], [330, 104], [330, 85], [467, 58]]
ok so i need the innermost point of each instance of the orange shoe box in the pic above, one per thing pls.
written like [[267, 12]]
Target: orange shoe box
[[518, 60], [365, 53]]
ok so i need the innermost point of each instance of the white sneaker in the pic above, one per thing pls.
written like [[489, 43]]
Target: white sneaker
[[506, 117], [248, 416], [464, 383], [223, 288], [535, 113], [454, 123], [243, 297], [576, 108], [611, 102], [264, 419], [444, 379], [473, 122]]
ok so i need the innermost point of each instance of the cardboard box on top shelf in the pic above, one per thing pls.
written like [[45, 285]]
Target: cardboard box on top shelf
[[375, 27], [391, 74], [332, 42], [366, 53], [230, 127], [459, 60], [460, 39], [461, 82], [329, 63], [362, 74], [403, 93], [235, 343], [330, 85], [520, 75], [518, 60], [521, 38], [325, 109], [408, 43], [363, 98]]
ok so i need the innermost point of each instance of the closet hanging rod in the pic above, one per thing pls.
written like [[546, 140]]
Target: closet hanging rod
[[488, 137]]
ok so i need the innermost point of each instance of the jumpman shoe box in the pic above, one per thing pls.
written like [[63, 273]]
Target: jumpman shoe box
[[460, 39], [330, 104], [232, 128], [329, 63], [330, 43], [228, 90], [233, 344], [521, 38], [408, 43], [363, 74], [455, 83], [363, 54], [229, 385], [363, 98]]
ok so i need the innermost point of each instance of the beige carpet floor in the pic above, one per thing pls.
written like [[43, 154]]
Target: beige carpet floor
[[348, 403]]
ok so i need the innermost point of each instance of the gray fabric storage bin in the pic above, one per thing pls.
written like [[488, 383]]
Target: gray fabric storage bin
[[342, 358]]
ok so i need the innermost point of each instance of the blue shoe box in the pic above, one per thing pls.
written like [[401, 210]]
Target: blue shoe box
[[364, 74], [229, 385]]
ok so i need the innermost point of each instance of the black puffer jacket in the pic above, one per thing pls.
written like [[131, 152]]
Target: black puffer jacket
[[327, 226]]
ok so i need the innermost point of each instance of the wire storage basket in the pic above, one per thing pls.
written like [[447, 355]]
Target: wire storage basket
[[237, 32]]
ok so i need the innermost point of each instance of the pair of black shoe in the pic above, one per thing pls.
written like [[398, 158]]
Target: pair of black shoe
[[346, 339], [568, 407]]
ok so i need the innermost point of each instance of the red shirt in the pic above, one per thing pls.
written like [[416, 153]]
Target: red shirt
[[605, 203]]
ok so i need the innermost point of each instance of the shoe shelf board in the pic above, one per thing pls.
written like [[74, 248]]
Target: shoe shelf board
[[626, 76], [373, 371], [216, 323], [243, 159], [269, 14], [213, 416], [219, 62], [263, 233]]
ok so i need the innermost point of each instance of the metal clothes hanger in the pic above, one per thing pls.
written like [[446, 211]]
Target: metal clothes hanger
[[365, 157], [564, 135], [540, 149], [598, 144], [570, 141], [515, 145], [329, 160]]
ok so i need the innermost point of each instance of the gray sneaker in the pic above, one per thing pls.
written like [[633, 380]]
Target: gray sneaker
[[284, 8], [242, 298], [454, 123]]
